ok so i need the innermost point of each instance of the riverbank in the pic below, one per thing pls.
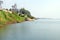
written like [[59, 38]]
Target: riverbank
[[9, 17]]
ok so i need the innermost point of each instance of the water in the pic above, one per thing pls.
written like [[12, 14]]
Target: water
[[42, 29]]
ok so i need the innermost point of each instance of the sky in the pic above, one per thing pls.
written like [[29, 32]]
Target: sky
[[38, 8]]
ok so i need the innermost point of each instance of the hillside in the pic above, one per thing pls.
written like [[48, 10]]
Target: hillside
[[9, 18]]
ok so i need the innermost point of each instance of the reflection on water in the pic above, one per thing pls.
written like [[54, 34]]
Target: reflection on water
[[34, 30]]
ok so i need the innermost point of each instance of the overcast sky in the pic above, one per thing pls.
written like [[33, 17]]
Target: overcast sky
[[38, 8]]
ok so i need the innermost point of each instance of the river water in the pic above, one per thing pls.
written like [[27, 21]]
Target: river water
[[42, 29]]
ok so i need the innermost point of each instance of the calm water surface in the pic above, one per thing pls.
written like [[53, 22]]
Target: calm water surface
[[42, 29]]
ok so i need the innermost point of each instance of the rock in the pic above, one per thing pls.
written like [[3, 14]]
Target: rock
[[29, 19]]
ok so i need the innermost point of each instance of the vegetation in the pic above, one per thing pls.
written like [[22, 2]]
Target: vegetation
[[25, 12], [8, 18]]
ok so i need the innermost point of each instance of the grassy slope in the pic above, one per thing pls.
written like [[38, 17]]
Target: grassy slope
[[7, 18]]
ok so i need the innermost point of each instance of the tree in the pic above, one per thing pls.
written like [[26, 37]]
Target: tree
[[22, 11], [0, 4], [25, 12], [14, 8]]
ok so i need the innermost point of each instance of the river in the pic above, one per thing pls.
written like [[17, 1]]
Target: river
[[42, 29]]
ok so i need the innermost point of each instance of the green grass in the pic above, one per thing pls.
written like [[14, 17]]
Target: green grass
[[10, 17]]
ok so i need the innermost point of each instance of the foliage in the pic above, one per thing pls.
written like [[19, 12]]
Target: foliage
[[7, 18], [25, 12]]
